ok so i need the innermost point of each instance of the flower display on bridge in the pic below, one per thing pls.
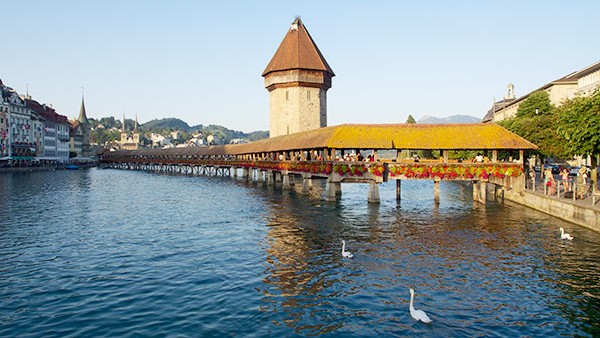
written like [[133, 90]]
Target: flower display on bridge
[[305, 167], [357, 169], [350, 169], [448, 171], [377, 169]]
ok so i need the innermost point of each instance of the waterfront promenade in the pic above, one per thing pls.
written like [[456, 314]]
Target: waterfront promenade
[[582, 211]]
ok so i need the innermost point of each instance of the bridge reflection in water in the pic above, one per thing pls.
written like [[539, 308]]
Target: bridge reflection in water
[[299, 158]]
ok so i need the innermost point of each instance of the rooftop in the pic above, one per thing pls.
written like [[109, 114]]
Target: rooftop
[[297, 51]]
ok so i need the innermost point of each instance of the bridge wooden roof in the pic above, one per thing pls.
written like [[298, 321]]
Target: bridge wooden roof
[[479, 136]]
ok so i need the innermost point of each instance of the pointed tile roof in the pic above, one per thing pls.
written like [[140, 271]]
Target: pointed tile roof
[[82, 117], [297, 51]]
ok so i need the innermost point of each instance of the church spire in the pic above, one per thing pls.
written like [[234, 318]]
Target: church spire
[[123, 131], [135, 124], [82, 116]]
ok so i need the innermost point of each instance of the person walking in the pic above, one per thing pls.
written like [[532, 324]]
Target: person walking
[[549, 182], [564, 174], [581, 182]]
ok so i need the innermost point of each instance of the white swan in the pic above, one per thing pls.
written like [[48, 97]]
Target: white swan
[[418, 314], [344, 252], [564, 235]]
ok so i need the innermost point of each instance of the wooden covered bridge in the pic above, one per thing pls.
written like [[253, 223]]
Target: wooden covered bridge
[[332, 153]]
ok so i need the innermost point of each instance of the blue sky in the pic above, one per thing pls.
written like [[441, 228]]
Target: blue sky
[[201, 61]]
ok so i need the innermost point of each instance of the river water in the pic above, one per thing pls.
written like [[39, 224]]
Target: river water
[[109, 253]]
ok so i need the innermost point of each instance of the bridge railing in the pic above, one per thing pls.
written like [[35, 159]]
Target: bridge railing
[[387, 169]]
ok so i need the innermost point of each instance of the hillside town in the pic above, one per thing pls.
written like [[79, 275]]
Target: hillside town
[[34, 134]]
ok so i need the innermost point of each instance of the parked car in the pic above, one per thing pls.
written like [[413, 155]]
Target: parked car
[[573, 171], [557, 167]]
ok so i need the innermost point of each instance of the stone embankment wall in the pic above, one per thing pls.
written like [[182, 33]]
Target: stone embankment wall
[[584, 215]]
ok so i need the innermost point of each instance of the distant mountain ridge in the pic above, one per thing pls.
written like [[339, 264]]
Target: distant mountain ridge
[[450, 119]]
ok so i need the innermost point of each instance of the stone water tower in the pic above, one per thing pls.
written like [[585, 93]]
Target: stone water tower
[[297, 78]]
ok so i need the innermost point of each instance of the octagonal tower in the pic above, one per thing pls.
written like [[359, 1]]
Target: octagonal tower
[[297, 78]]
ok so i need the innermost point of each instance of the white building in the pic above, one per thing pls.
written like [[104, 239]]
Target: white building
[[580, 83], [159, 141], [21, 132]]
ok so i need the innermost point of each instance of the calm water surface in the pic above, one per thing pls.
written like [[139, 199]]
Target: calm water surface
[[108, 253]]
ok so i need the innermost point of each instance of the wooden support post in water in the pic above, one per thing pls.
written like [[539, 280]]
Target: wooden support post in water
[[332, 190], [306, 184], [476, 191], [499, 193], [436, 190], [483, 192], [286, 180], [278, 177], [398, 189], [373, 192]]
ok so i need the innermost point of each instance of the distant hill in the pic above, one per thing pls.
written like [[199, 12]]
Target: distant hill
[[167, 123], [224, 135], [450, 119]]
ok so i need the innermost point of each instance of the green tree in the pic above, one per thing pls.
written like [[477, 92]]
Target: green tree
[[536, 121], [579, 124], [538, 103], [410, 119]]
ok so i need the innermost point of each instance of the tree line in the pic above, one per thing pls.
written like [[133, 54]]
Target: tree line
[[563, 132]]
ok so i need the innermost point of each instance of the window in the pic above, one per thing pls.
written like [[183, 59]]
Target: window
[[287, 95]]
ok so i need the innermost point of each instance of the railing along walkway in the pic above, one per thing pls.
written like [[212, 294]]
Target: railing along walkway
[[567, 191]]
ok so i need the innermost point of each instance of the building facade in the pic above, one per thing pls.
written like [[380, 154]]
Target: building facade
[[55, 132], [297, 78], [21, 132], [580, 83]]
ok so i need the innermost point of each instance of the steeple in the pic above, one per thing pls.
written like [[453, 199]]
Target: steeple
[[123, 129], [510, 92], [82, 116], [135, 124]]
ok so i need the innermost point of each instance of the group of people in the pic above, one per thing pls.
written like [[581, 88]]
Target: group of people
[[356, 158], [581, 181]]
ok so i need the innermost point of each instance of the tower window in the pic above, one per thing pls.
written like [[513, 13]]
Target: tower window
[[287, 95], [308, 94]]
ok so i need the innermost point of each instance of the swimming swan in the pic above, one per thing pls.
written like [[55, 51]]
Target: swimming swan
[[417, 314], [344, 252], [564, 235]]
